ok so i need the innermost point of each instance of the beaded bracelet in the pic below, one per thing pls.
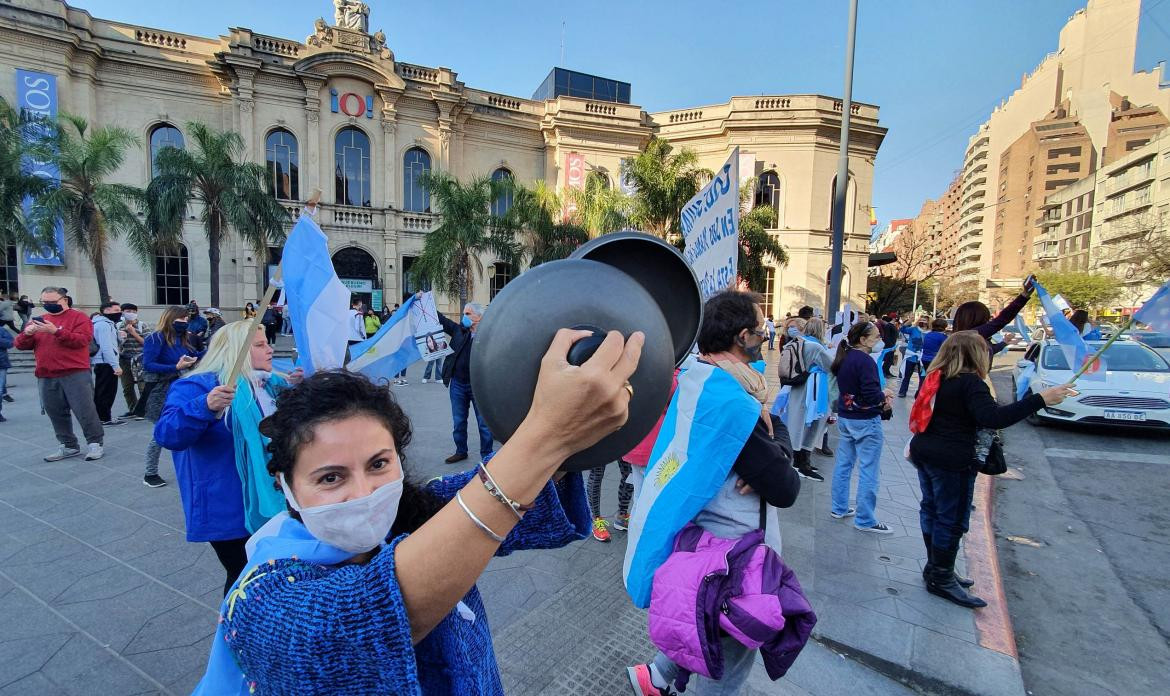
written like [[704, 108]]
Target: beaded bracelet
[[496, 492], [478, 522]]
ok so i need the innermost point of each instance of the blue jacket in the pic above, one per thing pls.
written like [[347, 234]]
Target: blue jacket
[[913, 336], [160, 357], [205, 461], [860, 389], [5, 343], [931, 342]]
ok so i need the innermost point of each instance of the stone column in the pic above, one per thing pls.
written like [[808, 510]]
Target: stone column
[[313, 171]]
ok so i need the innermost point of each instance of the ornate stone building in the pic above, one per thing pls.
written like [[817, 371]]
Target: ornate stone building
[[339, 112]]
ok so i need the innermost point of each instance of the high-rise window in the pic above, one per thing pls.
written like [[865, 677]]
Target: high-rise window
[[503, 202], [172, 278], [351, 167], [163, 135], [283, 164], [415, 197], [769, 290]]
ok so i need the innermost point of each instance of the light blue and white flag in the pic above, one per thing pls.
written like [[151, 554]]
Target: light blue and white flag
[[389, 351], [1076, 352], [1022, 328], [1024, 379], [318, 304], [706, 425], [1156, 310]]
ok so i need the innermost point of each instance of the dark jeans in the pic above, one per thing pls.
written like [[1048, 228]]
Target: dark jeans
[[909, 368], [270, 333], [888, 362], [945, 512], [105, 390], [434, 369], [232, 557], [461, 398]]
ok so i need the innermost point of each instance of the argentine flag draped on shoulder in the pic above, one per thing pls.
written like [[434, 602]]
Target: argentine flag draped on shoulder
[[707, 423]]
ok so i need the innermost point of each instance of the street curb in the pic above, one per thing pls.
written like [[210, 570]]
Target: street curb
[[993, 622]]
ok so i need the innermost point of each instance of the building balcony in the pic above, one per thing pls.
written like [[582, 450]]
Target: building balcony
[[1131, 178], [1046, 253], [363, 219]]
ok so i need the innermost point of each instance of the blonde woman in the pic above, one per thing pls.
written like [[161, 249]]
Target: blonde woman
[[212, 430], [956, 400], [808, 403]]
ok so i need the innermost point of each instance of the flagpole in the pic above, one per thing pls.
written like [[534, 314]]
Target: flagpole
[[1101, 350], [277, 277]]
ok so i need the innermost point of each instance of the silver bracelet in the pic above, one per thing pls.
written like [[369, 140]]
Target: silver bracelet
[[478, 522], [489, 484]]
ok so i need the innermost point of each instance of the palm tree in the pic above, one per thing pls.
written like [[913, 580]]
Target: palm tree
[[599, 207], [665, 181], [536, 213], [215, 174], [756, 246], [16, 183], [450, 257], [93, 211]]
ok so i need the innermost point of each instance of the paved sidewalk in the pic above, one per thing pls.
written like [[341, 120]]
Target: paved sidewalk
[[100, 592]]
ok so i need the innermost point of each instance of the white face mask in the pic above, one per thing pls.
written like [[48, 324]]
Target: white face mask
[[129, 316], [354, 525]]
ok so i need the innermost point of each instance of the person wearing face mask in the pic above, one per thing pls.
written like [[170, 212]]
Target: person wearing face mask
[[168, 353], [860, 408], [760, 477], [808, 402], [106, 362], [196, 326], [457, 377], [60, 341], [211, 429], [132, 331], [367, 584]]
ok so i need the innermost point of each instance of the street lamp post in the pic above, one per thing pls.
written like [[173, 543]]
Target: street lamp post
[[833, 302]]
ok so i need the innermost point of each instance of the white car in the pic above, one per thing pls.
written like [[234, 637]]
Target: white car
[[1135, 391]]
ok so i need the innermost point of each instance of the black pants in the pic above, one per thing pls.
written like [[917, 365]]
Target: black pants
[[270, 332], [945, 511], [233, 558], [10, 323], [105, 389]]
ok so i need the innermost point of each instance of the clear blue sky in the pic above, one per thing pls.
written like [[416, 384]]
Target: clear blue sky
[[919, 60]]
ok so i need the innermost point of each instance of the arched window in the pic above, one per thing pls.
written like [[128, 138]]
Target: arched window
[[415, 198], [358, 271], [8, 279], [351, 167], [850, 195], [501, 277], [283, 164], [163, 135], [768, 193], [172, 278], [503, 202]]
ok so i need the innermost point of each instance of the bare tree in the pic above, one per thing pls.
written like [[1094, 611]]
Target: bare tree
[[1136, 250], [892, 286]]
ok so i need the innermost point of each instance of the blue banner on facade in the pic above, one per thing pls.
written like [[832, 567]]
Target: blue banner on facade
[[36, 94]]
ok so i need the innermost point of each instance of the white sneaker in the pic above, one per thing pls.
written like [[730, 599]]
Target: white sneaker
[[62, 452], [424, 380], [95, 452]]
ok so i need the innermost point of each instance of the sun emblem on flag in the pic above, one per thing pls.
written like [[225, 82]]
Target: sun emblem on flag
[[668, 469]]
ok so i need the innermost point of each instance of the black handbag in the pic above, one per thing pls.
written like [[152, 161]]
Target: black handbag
[[989, 452]]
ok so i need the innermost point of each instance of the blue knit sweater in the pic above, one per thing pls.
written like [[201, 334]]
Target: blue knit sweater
[[297, 627]]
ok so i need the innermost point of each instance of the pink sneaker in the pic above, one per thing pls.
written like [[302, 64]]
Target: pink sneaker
[[642, 685]]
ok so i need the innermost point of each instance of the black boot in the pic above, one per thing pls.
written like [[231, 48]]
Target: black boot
[[965, 582], [941, 580]]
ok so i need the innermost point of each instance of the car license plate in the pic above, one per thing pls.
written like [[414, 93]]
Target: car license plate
[[1125, 415]]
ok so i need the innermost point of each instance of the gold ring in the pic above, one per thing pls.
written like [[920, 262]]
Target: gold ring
[[629, 388]]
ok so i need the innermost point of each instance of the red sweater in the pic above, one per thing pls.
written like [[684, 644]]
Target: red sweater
[[64, 352]]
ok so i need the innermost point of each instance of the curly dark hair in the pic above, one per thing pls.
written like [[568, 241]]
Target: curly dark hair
[[334, 395]]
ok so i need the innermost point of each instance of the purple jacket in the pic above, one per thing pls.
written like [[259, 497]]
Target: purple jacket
[[739, 586]]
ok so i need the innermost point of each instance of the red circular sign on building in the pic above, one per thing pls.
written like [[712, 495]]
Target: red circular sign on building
[[344, 103]]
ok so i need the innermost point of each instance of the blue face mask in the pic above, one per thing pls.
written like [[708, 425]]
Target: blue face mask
[[466, 321], [793, 332]]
